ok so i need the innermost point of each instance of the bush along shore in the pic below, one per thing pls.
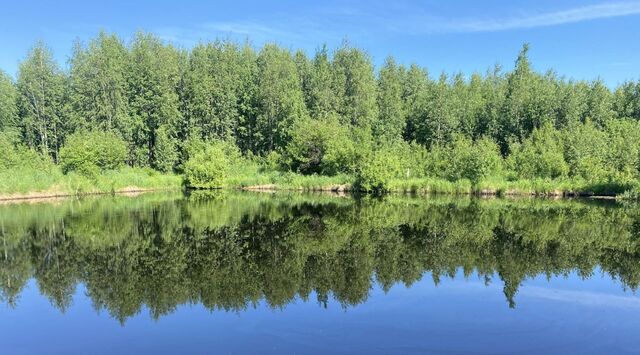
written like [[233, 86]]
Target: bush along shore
[[148, 115]]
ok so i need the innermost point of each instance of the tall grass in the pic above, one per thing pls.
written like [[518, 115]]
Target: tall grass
[[22, 181], [254, 177]]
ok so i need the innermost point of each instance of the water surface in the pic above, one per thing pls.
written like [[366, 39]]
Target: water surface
[[300, 273]]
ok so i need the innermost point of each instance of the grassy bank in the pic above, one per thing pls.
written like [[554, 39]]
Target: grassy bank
[[33, 183], [30, 183], [276, 180]]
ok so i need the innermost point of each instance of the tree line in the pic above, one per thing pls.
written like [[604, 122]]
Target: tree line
[[327, 113]]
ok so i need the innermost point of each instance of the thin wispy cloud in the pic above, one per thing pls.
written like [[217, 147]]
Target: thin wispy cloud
[[428, 23], [585, 298], [257, 32], [191, 35], [332, 24], [586, 13]]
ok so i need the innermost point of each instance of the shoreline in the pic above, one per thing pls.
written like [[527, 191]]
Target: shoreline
[[340, 189], [346, 189], [50, 195]]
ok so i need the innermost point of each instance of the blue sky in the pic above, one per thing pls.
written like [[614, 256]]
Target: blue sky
[[579, 39]]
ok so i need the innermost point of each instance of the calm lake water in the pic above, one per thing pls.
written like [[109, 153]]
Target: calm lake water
[[299, 273]]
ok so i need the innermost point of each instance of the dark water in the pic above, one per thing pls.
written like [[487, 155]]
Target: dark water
[[294, 273]]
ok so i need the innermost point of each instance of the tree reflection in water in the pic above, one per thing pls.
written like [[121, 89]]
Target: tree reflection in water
[[229, 251]]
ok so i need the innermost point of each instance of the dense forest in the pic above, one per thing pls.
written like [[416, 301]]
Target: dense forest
[[230, 251], [223, 109]]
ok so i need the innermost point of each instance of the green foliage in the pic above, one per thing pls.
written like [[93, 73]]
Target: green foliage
[[321, 147], [623, 147], [166, 154], [8, 103], [322, 99], [279, 97], [153, 74], [355, 86], [540, 155], [272, 161], [585, 151], [627, 100], [41, 95], [210, 164], [376, 173], [212, 94], [391, 122], [15, 156], [330, 114], [89, 153], [98, 84], [472, 160]]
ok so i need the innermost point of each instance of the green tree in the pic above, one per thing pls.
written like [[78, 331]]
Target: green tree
[[540, 155], [8, 103], [322, 98], [166, 150], [91, 152], [623, 148], [439, 121], [472, 160], [209, 164], [600, 103], [98, 85], [585, 150], [376, 173], [152, 80], [391, 121], [247, 99], [41, 101], [355, 86], [627, 100], [493, 89], [415, 98], [279, 98], [530, 100], [212, 89], [321, 146]]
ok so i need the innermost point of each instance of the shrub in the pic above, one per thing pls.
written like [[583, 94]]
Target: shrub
[[623, 147], [90, 153], [165, 152], [585, 151], [210, 164], [8, 153], [321, 146], [14, 155], [540, 155], [271, 161], [466, 159], [376, 173]]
